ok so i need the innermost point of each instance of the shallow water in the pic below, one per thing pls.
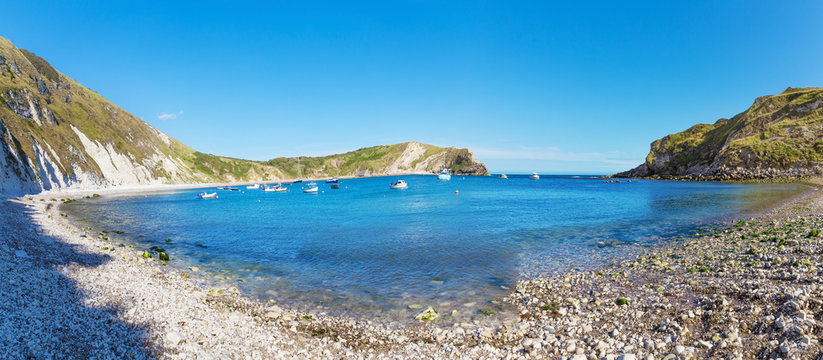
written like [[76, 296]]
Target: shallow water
[[367, 250]]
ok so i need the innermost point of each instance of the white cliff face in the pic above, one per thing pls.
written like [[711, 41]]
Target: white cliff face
[[403, 164], [34, 113], [122, 169], [114, 167], [15, 177], [432, 162], [20, 174], [49, 174]]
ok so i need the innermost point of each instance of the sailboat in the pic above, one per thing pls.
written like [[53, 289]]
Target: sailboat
[[299, 176]]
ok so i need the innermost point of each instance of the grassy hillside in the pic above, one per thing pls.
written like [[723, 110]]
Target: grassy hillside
[[377, 159], [778, 136], [57, 133]]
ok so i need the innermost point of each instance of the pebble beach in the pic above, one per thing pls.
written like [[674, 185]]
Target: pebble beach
[[749, 289]]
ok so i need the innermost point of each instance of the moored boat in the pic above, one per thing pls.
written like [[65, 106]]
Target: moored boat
[[399, 184], [205, 195], [299, 174], [335, 186], [253, 186], [311, 188], [332, 181], [270, 188], [444, 174]]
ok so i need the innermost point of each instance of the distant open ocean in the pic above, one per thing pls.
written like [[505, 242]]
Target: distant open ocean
[[365, 249]]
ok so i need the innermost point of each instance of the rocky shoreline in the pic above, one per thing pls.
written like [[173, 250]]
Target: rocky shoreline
[[752, 289]]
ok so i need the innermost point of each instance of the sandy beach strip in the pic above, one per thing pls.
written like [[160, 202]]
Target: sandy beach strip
[[752, 289]]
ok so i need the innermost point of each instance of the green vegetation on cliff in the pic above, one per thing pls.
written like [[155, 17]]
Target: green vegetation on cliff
[[408, 157], [778, 136], [54, 132]]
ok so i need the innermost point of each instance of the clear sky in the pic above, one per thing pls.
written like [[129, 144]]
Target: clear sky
[[566, 87]]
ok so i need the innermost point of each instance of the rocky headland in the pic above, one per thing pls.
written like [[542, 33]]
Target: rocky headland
[[779, 136], [56, 134]]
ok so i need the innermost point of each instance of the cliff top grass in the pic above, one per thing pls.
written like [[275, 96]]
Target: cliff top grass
[[40, 105], [779, 130]]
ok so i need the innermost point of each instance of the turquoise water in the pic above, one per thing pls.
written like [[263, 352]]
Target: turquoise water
[[368, 249]]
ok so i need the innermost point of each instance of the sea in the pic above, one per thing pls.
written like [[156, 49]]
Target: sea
[[367, 251]]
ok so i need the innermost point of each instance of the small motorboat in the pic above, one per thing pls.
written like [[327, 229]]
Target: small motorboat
[[297, 181], [279, 188], [311, 188], [253, 186], [335, 185], [270, 188], [399, 184], [332, 181], [234, 189], [534, 176], [444, 174], [287, 184], [502, 176], [205, 195]]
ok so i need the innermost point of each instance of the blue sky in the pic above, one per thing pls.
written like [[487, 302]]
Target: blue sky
[[529, 86]]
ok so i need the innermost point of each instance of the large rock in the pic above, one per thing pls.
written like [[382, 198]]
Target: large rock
[[427, 315]]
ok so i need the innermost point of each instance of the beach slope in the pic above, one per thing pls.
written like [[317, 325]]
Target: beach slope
[[750, 289]]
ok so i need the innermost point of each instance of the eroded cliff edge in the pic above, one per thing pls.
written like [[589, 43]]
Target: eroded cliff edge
[[779, 136], [57, 134]]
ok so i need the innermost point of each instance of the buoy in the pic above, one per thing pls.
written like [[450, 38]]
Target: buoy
[[456, 192]]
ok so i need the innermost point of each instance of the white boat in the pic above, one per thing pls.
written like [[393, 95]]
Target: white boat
[[205, 195], [444, 174], [311, 188], [399, 184], [253, 186], [534, 176], [502, 176], [269, 188]]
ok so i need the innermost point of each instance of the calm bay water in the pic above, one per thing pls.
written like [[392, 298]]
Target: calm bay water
[[367, 249]]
